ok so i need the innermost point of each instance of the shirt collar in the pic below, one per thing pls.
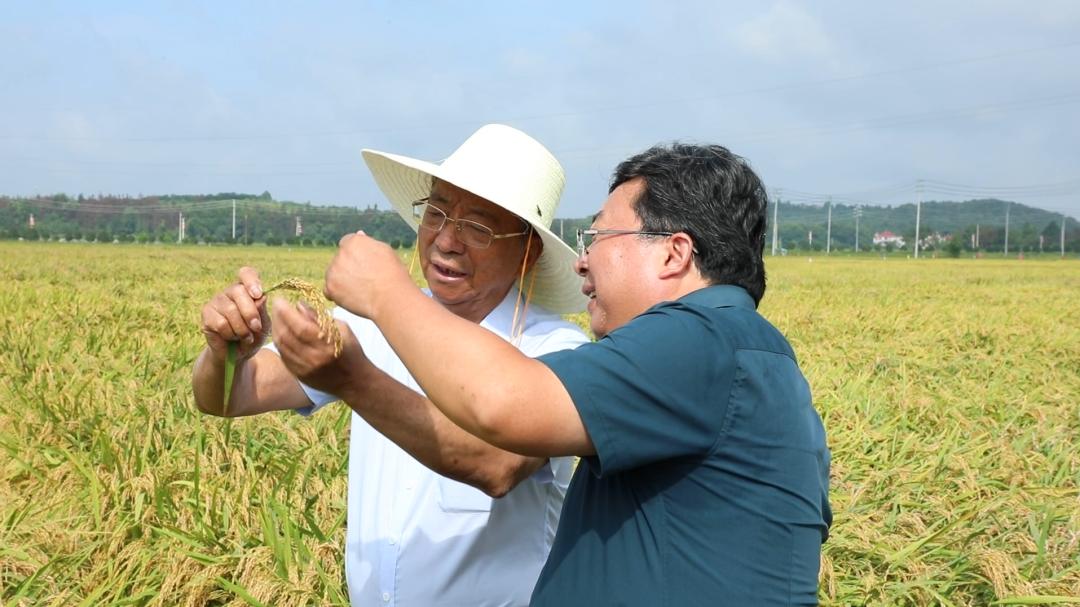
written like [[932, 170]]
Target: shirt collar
[[720, 296], [500, 319]]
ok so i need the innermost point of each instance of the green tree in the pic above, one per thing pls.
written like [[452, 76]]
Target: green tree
[[953, 248]]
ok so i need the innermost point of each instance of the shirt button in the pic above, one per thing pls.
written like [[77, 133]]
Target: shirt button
[[386, 597]]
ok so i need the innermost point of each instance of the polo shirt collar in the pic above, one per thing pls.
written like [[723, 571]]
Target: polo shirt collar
[[720, 296]]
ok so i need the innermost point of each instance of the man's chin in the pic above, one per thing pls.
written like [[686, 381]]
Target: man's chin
[[444, 293], [453, 294], [597, 322]]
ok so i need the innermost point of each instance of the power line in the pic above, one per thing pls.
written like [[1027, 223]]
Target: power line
[[906, 119], [848, 127], [791, 196], [1061, 188], [134, 206], [751, 137], [1045, 189], [543, 116], [136, 170]]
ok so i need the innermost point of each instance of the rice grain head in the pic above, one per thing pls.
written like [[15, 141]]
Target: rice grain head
[[313, 297]]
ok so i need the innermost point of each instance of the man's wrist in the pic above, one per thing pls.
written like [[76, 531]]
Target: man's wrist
[[360, 382], [395, 293], [214, 358]]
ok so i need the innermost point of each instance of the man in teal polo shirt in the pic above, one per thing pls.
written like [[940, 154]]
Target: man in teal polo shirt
[[704, 478]]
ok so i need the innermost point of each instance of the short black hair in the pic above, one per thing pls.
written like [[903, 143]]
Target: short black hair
[[710, 194]]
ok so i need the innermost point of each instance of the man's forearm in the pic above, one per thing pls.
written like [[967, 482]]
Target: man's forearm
[[208, 383], [412, 422], [261, 383], [479, 380]]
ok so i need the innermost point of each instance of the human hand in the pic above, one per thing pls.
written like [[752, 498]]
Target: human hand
[[237, 314], [307, 353], [362, 272]]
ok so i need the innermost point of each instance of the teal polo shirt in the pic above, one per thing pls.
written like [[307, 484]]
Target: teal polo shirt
[[710, 481]]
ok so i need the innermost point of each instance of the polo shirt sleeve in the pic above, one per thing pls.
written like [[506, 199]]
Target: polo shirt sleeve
[[655, 389], [553, 337], [543, 338]]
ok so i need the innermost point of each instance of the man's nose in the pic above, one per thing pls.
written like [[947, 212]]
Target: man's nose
[[581, 265], [447, 239]]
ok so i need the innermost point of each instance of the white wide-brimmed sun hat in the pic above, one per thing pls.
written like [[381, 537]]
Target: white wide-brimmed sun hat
[[510, 169]]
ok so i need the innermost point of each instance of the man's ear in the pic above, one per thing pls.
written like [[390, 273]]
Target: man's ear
[[680, 255]]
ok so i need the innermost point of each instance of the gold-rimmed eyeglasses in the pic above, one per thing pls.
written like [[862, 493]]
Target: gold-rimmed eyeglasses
[[585, 237], [470, 233]]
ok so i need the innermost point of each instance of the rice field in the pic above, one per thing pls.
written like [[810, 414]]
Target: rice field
[[950, 390]]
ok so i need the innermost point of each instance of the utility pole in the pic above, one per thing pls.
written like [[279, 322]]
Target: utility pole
[[775, 218], [918, 213], [1007, 206], [828, 230], [810, 237], [976, 236], [180, 229], [234, 220], [858, 214], [1063, 220]]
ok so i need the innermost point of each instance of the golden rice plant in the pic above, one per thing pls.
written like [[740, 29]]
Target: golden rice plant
[[949, 391], [314, 299]]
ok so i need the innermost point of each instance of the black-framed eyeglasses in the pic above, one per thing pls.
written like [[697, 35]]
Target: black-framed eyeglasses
[[585, 237], [470, 233]]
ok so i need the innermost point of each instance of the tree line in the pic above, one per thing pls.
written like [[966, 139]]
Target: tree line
[[205, 219], [948, 226]]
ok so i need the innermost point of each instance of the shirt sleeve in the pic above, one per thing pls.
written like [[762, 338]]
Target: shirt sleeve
[[547, 337], [654, 389], [553, 337]]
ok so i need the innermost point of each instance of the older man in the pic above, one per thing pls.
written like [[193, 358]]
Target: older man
[[414, 537], [705, 470]]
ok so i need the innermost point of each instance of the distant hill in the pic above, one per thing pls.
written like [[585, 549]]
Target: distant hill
[[948, 219], [261, 219], [954, 219], [207, 218]]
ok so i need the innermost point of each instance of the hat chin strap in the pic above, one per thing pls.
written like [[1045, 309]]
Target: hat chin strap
[[415, 250], [517, 324]]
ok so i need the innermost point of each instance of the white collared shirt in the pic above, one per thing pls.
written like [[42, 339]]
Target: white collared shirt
[[414, 538]]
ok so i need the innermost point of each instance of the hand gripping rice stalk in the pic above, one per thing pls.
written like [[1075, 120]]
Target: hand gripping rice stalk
[[311, 296]]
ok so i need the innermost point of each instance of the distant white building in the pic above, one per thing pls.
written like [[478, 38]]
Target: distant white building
[[886, 238], [935, 240]]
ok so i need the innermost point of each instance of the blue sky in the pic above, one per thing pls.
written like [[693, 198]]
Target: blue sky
[[853, 100]]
